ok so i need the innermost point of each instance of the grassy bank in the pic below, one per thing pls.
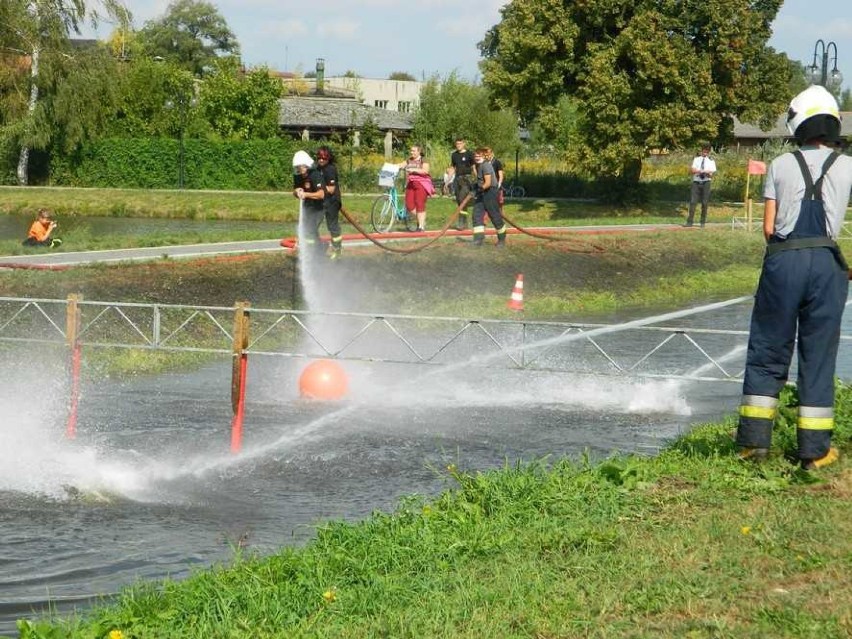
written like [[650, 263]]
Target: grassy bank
[[691, 543], [587, 276]]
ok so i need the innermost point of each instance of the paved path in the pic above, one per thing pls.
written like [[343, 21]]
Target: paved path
[[62, 260]]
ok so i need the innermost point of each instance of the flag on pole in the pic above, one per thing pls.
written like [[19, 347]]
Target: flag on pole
[[755, 167]]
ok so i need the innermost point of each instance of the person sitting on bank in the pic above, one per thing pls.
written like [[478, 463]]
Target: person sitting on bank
[[41, 231]]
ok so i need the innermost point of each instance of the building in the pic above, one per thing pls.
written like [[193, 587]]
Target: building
[[751, 135], [401, 96], [320, 116], [319, 107]]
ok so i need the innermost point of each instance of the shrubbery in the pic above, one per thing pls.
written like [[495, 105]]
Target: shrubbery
[[154, 163], [262, 165]]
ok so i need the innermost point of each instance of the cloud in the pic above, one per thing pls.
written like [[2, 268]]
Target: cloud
[[285, 28], [342, 29]]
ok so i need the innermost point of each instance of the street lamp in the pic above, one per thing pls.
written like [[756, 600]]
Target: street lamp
[[818, 72], [182, 103]]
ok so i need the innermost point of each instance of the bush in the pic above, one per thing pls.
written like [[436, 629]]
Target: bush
[[154, 163]]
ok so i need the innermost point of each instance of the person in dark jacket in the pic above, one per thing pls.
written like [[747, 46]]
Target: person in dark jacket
[[309, 187], [332, 199]]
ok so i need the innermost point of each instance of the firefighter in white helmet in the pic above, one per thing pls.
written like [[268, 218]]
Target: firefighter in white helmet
[[803, 285], [309, 188]]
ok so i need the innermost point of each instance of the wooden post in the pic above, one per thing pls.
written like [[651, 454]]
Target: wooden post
[[239, 368], [72, 338], [749, 214]]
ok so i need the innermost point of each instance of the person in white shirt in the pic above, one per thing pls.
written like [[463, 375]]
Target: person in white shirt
[[702, 170]]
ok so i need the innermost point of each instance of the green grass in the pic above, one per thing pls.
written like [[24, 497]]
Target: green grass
[[691, 543]]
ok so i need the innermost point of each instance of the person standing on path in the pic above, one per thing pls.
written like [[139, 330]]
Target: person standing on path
[[500, 173], [418, 185], [461, 170], [803, 285], [702, 170], [486, 200], [308, 186], [332, 200]]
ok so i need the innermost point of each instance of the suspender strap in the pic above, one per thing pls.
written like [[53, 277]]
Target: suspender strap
[[813, 190]]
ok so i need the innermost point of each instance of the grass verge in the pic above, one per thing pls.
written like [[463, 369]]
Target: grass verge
[[691, 543]]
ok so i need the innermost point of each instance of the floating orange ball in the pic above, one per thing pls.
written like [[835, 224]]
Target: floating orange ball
[[323, 379]]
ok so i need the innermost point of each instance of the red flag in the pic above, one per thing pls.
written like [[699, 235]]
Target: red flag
[[756, 167]]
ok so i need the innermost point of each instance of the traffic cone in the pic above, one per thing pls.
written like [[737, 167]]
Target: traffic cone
[[516, 300]]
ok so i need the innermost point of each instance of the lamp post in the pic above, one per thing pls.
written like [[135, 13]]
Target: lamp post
[[818, 72], [182, 103]]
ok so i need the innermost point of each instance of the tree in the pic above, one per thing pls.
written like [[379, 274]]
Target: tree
[[145, 89], [846, 100], [402, 75], [81, 97], [192, 34], [239, 105], [36, 28], [450, 108], [645, 73]]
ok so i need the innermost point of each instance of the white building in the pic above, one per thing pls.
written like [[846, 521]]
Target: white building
[[401, 96]]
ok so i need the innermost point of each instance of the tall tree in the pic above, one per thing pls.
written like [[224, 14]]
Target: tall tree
[[192, 34], [241, 105], [645, 73], [38, 28], [451, 107]]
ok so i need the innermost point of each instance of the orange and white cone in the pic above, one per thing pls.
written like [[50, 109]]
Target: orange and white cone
[[516, 300]]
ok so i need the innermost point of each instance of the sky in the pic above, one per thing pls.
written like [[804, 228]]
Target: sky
[[374, 38]]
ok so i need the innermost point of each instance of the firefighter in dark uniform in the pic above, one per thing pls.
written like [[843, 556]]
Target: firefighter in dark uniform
[[803, 285], [332, 201], [486, 200], [310, 189], [461, 168]]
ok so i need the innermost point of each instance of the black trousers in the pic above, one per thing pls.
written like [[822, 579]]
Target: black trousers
[[700, 193], [464, 187]]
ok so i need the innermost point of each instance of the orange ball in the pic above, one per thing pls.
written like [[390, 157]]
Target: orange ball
[[323, 379]]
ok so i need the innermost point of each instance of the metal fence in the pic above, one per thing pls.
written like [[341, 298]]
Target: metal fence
[[649, 347]]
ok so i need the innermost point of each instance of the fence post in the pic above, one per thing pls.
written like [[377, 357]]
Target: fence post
[[72, 338], [239, 368]]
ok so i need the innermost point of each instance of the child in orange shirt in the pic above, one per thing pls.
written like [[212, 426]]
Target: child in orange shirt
[[41, 230]]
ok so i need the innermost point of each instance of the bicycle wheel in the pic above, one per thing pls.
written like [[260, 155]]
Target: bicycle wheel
[[520, 191], [383, 214]]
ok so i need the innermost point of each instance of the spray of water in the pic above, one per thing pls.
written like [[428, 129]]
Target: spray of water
[[46, 464]]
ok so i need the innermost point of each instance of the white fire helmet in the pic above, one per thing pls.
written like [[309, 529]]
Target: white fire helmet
[[302, 158], [815, 100]]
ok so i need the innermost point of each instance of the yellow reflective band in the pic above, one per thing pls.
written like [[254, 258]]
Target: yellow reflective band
[[479, 229], [816, 423], [758, 412]]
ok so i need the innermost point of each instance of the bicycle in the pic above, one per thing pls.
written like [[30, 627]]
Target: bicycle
[[389, 208], [514, 190]]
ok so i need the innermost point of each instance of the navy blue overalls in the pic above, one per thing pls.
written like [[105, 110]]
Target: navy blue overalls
[[804, 281]]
